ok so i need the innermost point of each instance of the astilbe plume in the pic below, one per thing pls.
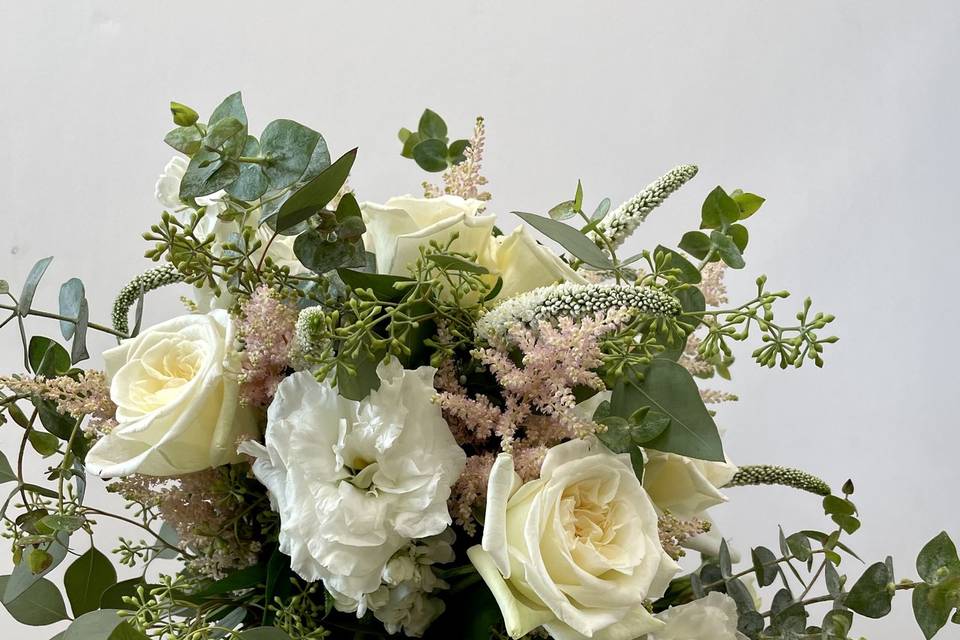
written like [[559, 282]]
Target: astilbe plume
[[266, 327], [464, 179], [203, 511], [538, 404], [675, 531], [714, 291], [86, 395]]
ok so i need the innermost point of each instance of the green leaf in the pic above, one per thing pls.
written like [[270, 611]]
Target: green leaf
[[167, 551], [727, 250], [403, 134], [432, 126], [578, 197], [222, 131], [669, 389], [86, 579], [381, 284], [251, 183], [357, 386], [931, 608], [231, 107], [938, 559], [316, 194], [564, 210], [456, 153], [43, 443], [278, 579], [836, 624], [72, 294], [748, 203], [104, 624], [6, 472], [186, 140], [183, 115], [688, 272], [718, 210], [78, 349], [871, 595], [47, 358], [696, 243], [39, 605], [4, 287], [288, 146], [569, 238], [740, 236], [601, 211], [454, 263], [246, 578], [319, 255], [30, 285], [431, 155], [412, 140], [765, 566], [832, 579], [650, 428], [207, 174], [799, 546], [833, 505]]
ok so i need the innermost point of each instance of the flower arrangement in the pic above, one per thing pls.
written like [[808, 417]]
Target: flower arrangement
[[377, 419]]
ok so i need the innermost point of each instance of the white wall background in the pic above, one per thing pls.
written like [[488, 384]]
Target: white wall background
[[843, 114]]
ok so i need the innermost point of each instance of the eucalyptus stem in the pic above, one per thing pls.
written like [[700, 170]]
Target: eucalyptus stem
[[57, 316], [901, 586]]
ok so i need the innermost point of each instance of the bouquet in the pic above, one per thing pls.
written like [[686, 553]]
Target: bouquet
[[399, 418]]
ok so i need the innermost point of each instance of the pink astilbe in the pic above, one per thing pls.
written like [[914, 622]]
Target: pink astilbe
[[464, 179], [470, 491], [266, 326]]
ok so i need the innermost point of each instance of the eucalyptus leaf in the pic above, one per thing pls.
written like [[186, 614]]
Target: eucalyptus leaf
[[112, 597], [431, 155], [432, 126], [382, 284], [601, 211], [252, 182], [288, 147], [30, 285], [563, 211], [749, 203], [6, 471], [319, 255], [207, 174], [47, 357], [231, 107], [727, 250], [71, 295], [871, 595], [569, 238], [43, 443], [669, 389], [938, 559], [78, 348], [696, 243], [316, 194], [221, 131], [186, 140], [688, 272], [456, 153], [357, 386], [718, 210], [765, 566], [86, 579], [454, 263], [931, 608], [38, 605], [264, 633]]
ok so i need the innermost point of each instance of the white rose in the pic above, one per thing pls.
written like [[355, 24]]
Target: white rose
[[280, 249], [354, 482], [712, 617], [684, 486], [576, 551], [176, 393], [397, 229]]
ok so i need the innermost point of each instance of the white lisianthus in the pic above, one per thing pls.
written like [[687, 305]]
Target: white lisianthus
[[576, 551], [712, 617], [397, 229], [280, 248], [354, 482], [684, 486], [176, 393]]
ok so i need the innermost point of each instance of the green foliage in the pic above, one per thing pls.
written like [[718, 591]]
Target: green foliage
[[577, 243], [86, 579], [429, 145], [39, 605]]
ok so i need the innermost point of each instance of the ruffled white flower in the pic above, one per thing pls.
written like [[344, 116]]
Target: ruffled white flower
[[713, 617], [354, 482], [176, 391], [576, 551], [404, 600], [398, 228], [167, 192]]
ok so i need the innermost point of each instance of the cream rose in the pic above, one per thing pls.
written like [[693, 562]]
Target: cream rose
[[576, 551], [397, 229], [712, 617], [684, 486], [177, 403]]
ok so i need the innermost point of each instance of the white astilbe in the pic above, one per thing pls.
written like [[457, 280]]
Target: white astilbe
[[575, 301], [622, 221]]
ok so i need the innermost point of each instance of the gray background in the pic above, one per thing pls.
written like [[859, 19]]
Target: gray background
[[843, 114]]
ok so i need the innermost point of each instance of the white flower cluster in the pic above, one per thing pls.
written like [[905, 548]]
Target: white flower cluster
[[622, 221], [573, 300], [404, 600]]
